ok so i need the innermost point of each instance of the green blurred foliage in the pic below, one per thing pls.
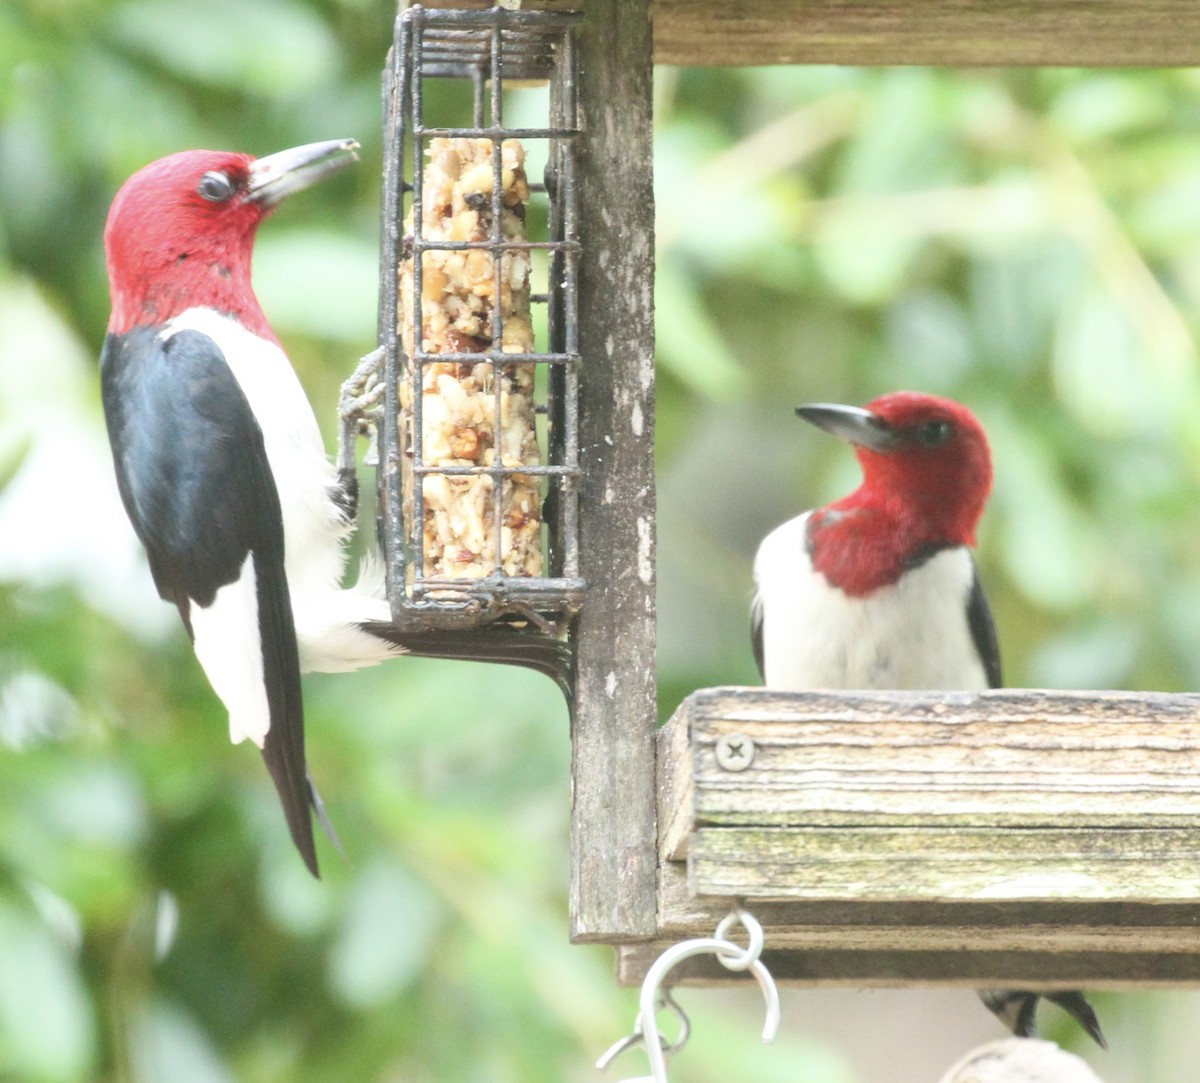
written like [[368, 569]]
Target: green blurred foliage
[[1024, 241]]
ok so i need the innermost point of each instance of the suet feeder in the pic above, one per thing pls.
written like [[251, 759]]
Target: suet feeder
[[1015, 837], [480, 464]]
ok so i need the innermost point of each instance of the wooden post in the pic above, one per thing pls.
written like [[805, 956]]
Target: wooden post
[[613, 820]]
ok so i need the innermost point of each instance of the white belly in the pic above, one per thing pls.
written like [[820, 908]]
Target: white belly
[[912, 635]]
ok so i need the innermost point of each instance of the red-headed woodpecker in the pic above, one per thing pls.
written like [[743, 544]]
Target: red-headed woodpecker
[[221, 465], [878, 590]]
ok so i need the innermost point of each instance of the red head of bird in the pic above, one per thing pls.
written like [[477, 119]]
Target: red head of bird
[[927, 473], [180, 232]]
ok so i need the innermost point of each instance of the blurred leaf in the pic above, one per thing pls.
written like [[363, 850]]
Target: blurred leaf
[[166, 1044], [46, 1027], [862, 263], [705, 210], [336, 295], [1109, 104], [688, 342], [1098, 372], [99, 807], [1097, 657], [221, 43], [296, 902], [387, 935], [929, 332], [33, 709], [1016, 298], [1166, 215], [901, 143], [1049, 547], [11, 459]]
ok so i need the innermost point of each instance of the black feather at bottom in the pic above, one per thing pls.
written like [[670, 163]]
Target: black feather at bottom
[[1017, 1010]]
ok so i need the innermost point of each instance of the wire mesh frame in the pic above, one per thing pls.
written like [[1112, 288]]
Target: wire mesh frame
[[489, 48]]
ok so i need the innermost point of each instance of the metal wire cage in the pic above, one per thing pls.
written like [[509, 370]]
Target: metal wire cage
[[454, 398]]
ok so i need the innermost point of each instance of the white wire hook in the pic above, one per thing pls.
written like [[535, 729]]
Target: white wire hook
[[665, 1000], [729, 955]]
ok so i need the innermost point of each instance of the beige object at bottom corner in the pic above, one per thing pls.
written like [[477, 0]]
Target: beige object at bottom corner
[[1020, 1060]]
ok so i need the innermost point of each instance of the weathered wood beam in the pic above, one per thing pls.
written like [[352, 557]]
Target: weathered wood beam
[[929, 863], [1084, 33], [613, 824], [953, 966], [1049, 925], [993, 759], [897, 838]]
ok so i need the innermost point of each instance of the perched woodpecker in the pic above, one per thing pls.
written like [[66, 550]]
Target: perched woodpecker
[[878, 590], [221, 465]]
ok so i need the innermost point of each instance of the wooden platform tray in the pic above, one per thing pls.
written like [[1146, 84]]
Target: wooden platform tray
[[1006, 837]]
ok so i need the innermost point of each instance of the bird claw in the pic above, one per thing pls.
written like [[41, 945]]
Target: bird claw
[[364, 383], [359, 410], [362, 394]]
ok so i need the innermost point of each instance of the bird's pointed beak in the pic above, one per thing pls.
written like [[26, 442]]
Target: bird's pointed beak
[[279, 175], [851, 423]]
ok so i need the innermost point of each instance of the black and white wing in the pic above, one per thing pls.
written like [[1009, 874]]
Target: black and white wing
[[195, 480]]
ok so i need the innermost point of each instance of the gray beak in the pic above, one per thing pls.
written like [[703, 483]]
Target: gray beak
[[279, 175], [851, 423]]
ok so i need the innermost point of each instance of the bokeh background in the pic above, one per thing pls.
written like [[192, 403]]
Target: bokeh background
[[1025, 241]]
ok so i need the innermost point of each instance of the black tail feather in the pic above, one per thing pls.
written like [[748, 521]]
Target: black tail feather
[[283, 749], [1017, 1010], [497, 643], [1076, 1005], [286, 769]]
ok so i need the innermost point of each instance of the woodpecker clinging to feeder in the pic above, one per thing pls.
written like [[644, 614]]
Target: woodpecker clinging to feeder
[[878, 590], [221, 465]]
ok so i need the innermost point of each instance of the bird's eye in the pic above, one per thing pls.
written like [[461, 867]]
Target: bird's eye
[[934, 433], [216, 187]]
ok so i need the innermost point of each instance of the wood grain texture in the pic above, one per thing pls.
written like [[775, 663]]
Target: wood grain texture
[[988, 759], [1089, 33], [935, 864], [1049, 927], [613, 824], [946, 32], [1004, 837], [968, 969], [676, 813]]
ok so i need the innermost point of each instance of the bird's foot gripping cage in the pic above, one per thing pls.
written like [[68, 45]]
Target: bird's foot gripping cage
[[479, 443]]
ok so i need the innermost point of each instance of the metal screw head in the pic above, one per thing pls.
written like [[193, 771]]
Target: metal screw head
[[734, 751]]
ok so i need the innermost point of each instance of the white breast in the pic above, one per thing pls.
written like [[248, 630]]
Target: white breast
[[913, 634]]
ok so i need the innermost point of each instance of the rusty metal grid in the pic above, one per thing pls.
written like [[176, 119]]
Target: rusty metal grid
[[491, 50]]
